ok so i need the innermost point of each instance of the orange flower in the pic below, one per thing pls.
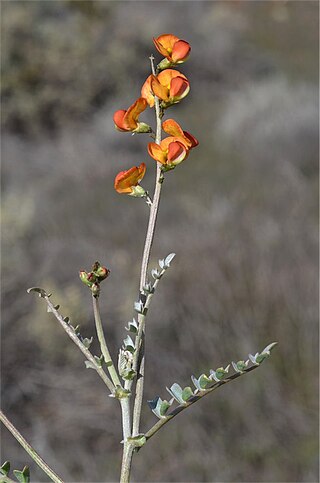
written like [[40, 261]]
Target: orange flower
[[171, 127], [128, 120], [170, 152], [172, 48], [170, 86], [128, 181]]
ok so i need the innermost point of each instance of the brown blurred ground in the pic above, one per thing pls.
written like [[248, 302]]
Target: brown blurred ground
[[241, 214]]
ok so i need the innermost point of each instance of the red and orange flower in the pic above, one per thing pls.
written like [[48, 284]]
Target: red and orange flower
[[170, 152], [171, 127], [128, 120], [128, 181], [170, 86], [175, 50]]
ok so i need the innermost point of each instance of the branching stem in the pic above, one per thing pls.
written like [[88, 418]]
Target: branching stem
[[81, 346], [29, 449]]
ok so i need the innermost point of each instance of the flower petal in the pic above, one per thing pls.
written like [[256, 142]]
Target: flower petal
[[179, 88], [131, 117], [159, 90], [165, 43], [177, 152], [147, 93], [192, 140], [180, 51], [170, 126], [118, 117], [157, 153], [165, 77]]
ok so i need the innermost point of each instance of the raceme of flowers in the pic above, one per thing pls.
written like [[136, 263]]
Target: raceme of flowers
[[169, 86]]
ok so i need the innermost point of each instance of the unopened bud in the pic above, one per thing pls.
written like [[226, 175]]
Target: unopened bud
[[102, 273], [84, 277]]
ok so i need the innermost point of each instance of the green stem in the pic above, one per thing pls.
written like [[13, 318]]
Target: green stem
[[78, 343], [30, 450], [103, 344]]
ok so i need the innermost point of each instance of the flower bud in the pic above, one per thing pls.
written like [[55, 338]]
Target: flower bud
[[102, 273], [84, 277]]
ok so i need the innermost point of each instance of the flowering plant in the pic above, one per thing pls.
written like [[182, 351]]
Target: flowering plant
[[163, 88]]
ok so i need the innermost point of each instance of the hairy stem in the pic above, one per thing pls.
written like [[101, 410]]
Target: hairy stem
[[71, 333], [103, 344], [30, 450]]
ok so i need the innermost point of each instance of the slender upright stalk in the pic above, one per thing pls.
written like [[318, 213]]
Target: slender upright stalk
[[30, 450], [139, 345], [103, 344], [144, 268]]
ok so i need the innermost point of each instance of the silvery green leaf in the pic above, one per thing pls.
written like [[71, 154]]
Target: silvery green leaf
[[22, 476], [176, 392], [220, 373], [161, 264], [155, 274], [152, 403], [261, 357], [164, 406], [132, 326], [128, 375], [253, 359], [214, 376], [5, 468], [148, 288], [138, 307], [196, 383], [129, 344], [42, 293], [169, 259], [99, 360], [269, 347], [240, 366], [87, 342], [160, 407], [187, 393], [204, 381], [90, 365]]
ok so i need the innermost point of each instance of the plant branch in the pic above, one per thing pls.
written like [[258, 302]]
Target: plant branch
[[159, 424], [143, 276], [103, 344], [30, 450], [71, 333]]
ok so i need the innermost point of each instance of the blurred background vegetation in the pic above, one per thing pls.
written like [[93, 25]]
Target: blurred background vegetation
[[241, 213]]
